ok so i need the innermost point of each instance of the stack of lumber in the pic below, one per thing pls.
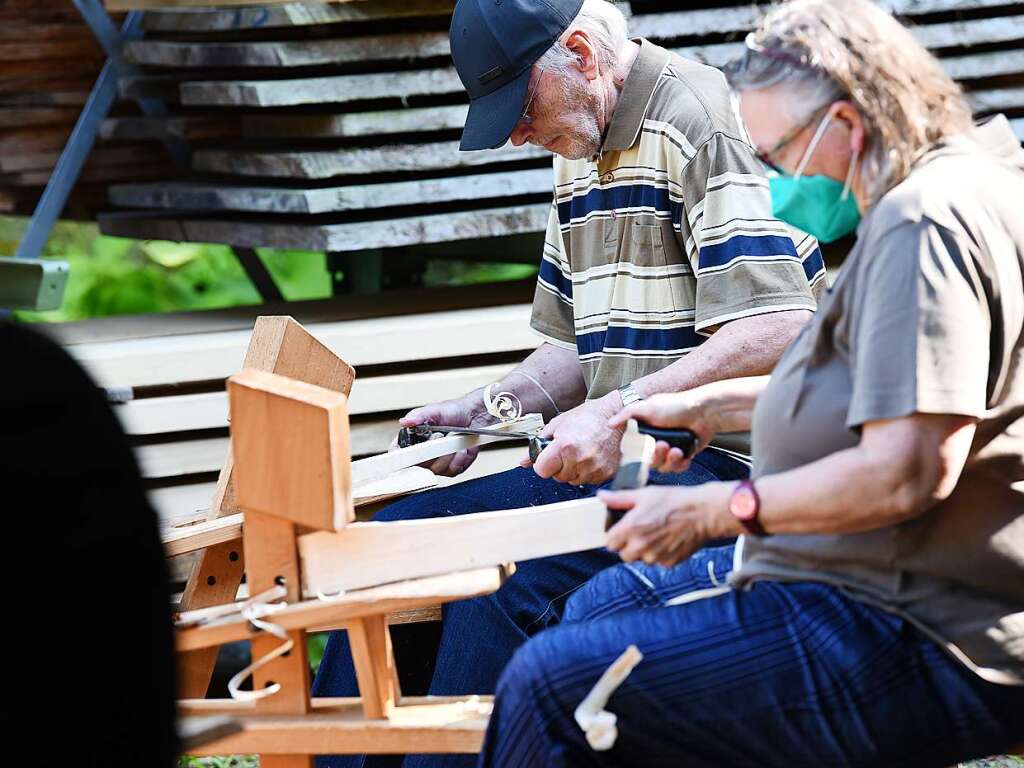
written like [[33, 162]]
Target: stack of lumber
[[49, 61], [334, 123]]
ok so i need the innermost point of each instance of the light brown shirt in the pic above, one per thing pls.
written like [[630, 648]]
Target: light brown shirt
[[926, 316]]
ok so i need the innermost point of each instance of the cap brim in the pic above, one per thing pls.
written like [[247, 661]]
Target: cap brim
[[493, 117]]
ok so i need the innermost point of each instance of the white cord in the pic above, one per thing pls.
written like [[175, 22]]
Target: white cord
[[541, 388]]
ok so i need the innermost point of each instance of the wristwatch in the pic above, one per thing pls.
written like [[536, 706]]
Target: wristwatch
[[745, 506], [629, 394]]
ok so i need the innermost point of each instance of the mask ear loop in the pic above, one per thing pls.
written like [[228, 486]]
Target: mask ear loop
[[818, 135], [849, 175]]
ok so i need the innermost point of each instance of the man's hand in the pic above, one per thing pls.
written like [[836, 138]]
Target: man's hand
[[584, 448], [462, 412]]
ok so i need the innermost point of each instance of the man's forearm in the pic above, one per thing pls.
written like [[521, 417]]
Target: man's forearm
[[550, 380], [746, 347]]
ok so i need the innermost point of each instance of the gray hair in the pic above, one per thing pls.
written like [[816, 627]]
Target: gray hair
[[826, 50], [605, 25]]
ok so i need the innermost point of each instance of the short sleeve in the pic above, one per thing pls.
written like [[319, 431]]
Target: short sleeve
[[552, 316], [919, 336], [746, 261]]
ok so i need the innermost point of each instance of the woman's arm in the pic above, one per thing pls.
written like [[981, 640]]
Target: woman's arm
[[899, 470], [721, 406]]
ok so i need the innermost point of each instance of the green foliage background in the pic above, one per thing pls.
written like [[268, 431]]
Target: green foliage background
[[118, 276]]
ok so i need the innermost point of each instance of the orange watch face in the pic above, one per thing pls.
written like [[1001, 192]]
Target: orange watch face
[[743, 504]]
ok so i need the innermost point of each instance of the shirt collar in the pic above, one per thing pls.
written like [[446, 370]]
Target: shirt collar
[[635, 97]]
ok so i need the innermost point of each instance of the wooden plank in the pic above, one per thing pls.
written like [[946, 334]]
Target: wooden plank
[[219, 197], [272, 559], [180, 541], [357, 236], [290, 443], [996, 99], [141, 128], [1018, 127], [980, 65], [421, 724], [283, 54], [178, 503], [339, 89], [166, 360], [411, 595], [288, 15], [364, 554], [324, 164], [182, 413], [139, 5], [382, 465], [374, 662], [350, 124]]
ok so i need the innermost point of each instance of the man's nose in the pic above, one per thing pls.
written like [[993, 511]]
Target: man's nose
[[521, 133]]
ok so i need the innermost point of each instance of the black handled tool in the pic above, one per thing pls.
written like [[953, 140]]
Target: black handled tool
[[421, 433], [685, 440]]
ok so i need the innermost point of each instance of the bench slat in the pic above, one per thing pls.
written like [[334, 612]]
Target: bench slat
[[402, 392], [165, 360]]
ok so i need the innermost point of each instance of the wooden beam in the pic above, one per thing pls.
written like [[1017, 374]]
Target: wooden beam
[[335, 163], [416, 594], [288, 14], [332, 199], [290, 444], [181, 541], [418, 725], [377, 123], [374, 662], [364, 554], [359, 236]]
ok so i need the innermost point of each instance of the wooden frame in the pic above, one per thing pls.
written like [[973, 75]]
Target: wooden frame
[[323, 570]]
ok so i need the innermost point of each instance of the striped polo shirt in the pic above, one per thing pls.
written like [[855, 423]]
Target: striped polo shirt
[[668, 233]]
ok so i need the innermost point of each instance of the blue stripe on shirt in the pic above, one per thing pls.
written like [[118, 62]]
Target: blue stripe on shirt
[[552, 275], [623, 337], [814, 265], [631, 196], [740, 246]]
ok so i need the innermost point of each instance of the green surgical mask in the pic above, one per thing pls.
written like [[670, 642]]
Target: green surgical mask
[[818, 205]]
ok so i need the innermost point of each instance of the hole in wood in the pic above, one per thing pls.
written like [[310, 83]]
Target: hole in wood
[[211, 580], [269, 684], [233, 557], [280, 581]]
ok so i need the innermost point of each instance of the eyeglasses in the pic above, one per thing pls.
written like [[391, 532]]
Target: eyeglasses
[[765, 156], [525, 116]]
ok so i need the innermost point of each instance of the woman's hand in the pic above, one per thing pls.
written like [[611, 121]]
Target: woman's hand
[[681, 409], [665, 524]]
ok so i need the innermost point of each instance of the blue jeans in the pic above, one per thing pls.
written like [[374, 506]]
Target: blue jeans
[[793, 675], [479, 636]]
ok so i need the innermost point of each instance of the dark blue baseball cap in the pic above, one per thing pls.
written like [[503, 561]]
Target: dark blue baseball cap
[[494, 44]]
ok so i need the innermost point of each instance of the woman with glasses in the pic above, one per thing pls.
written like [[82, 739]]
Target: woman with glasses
[[872, 610]]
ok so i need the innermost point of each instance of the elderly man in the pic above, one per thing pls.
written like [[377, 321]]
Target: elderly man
[[663, 269]]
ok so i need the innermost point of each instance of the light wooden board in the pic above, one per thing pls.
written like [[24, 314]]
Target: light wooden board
[[290, 442], [180, 541], [220, 197], [374, 601], [420, 724], [167, 360], [385, 464], [365, 554], [374, 394], [357, 236]]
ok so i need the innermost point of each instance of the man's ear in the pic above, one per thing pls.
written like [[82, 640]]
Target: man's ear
[[846, 112], [579, 44]]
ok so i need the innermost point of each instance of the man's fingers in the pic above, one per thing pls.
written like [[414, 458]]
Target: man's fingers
[[618, 499], [549, 462], [634, 411], [462, 461]]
